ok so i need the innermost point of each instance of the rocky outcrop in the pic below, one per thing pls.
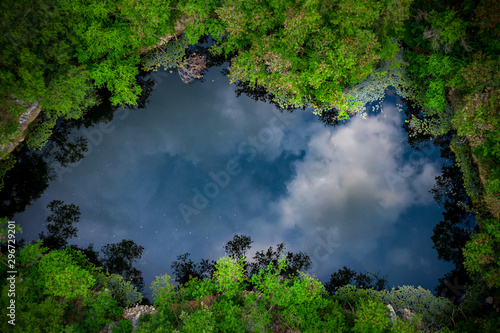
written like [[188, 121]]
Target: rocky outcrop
[[133, 314], [394, 317], [25, 119]]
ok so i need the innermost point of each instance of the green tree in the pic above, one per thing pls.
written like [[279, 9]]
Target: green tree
[[303, 52], [109, 37], [38, 63]]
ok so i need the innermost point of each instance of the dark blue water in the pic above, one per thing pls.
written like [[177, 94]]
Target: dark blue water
[[200, 164]]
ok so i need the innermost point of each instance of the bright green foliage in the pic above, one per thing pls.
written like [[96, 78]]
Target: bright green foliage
[[446, 28], [163, 291], [162, 322], [59, 291], [38, 65], [298, 303], [202, 320], [63, 277], [229, 276], [110, 35], [304, 53], [371, 317], [482, 252], [31, 254]]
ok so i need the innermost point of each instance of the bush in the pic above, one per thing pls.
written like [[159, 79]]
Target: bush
[[162, 322], [372, 316], [125, 293], [482, 252], [101, 310], [63, 277], [124, 326]]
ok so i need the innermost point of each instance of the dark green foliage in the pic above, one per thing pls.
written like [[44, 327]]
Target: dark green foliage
[[469, 169], [435, 312], [124, 326], [430, 312], [6, 164], [58, 291], [453, 51], [24, 183], [487, 324], [162, 322], [101, 310], [38, 64], [451, 234], [125, 293], [303, 53]]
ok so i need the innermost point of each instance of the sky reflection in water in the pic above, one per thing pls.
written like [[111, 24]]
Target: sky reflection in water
[[199, 165]]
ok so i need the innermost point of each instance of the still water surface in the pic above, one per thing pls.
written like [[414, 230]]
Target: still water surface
[[200, 164]]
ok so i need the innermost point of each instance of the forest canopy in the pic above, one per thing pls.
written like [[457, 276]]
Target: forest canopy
[[328, 55]]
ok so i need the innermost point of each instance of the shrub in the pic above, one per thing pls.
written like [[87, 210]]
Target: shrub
[[125, 293], [163, 291], [63, 277], [101, 310], [124, 326], [482, 252], [436, 312], [371, 317]]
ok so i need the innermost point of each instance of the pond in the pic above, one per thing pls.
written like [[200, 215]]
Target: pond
[[199, 164]]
